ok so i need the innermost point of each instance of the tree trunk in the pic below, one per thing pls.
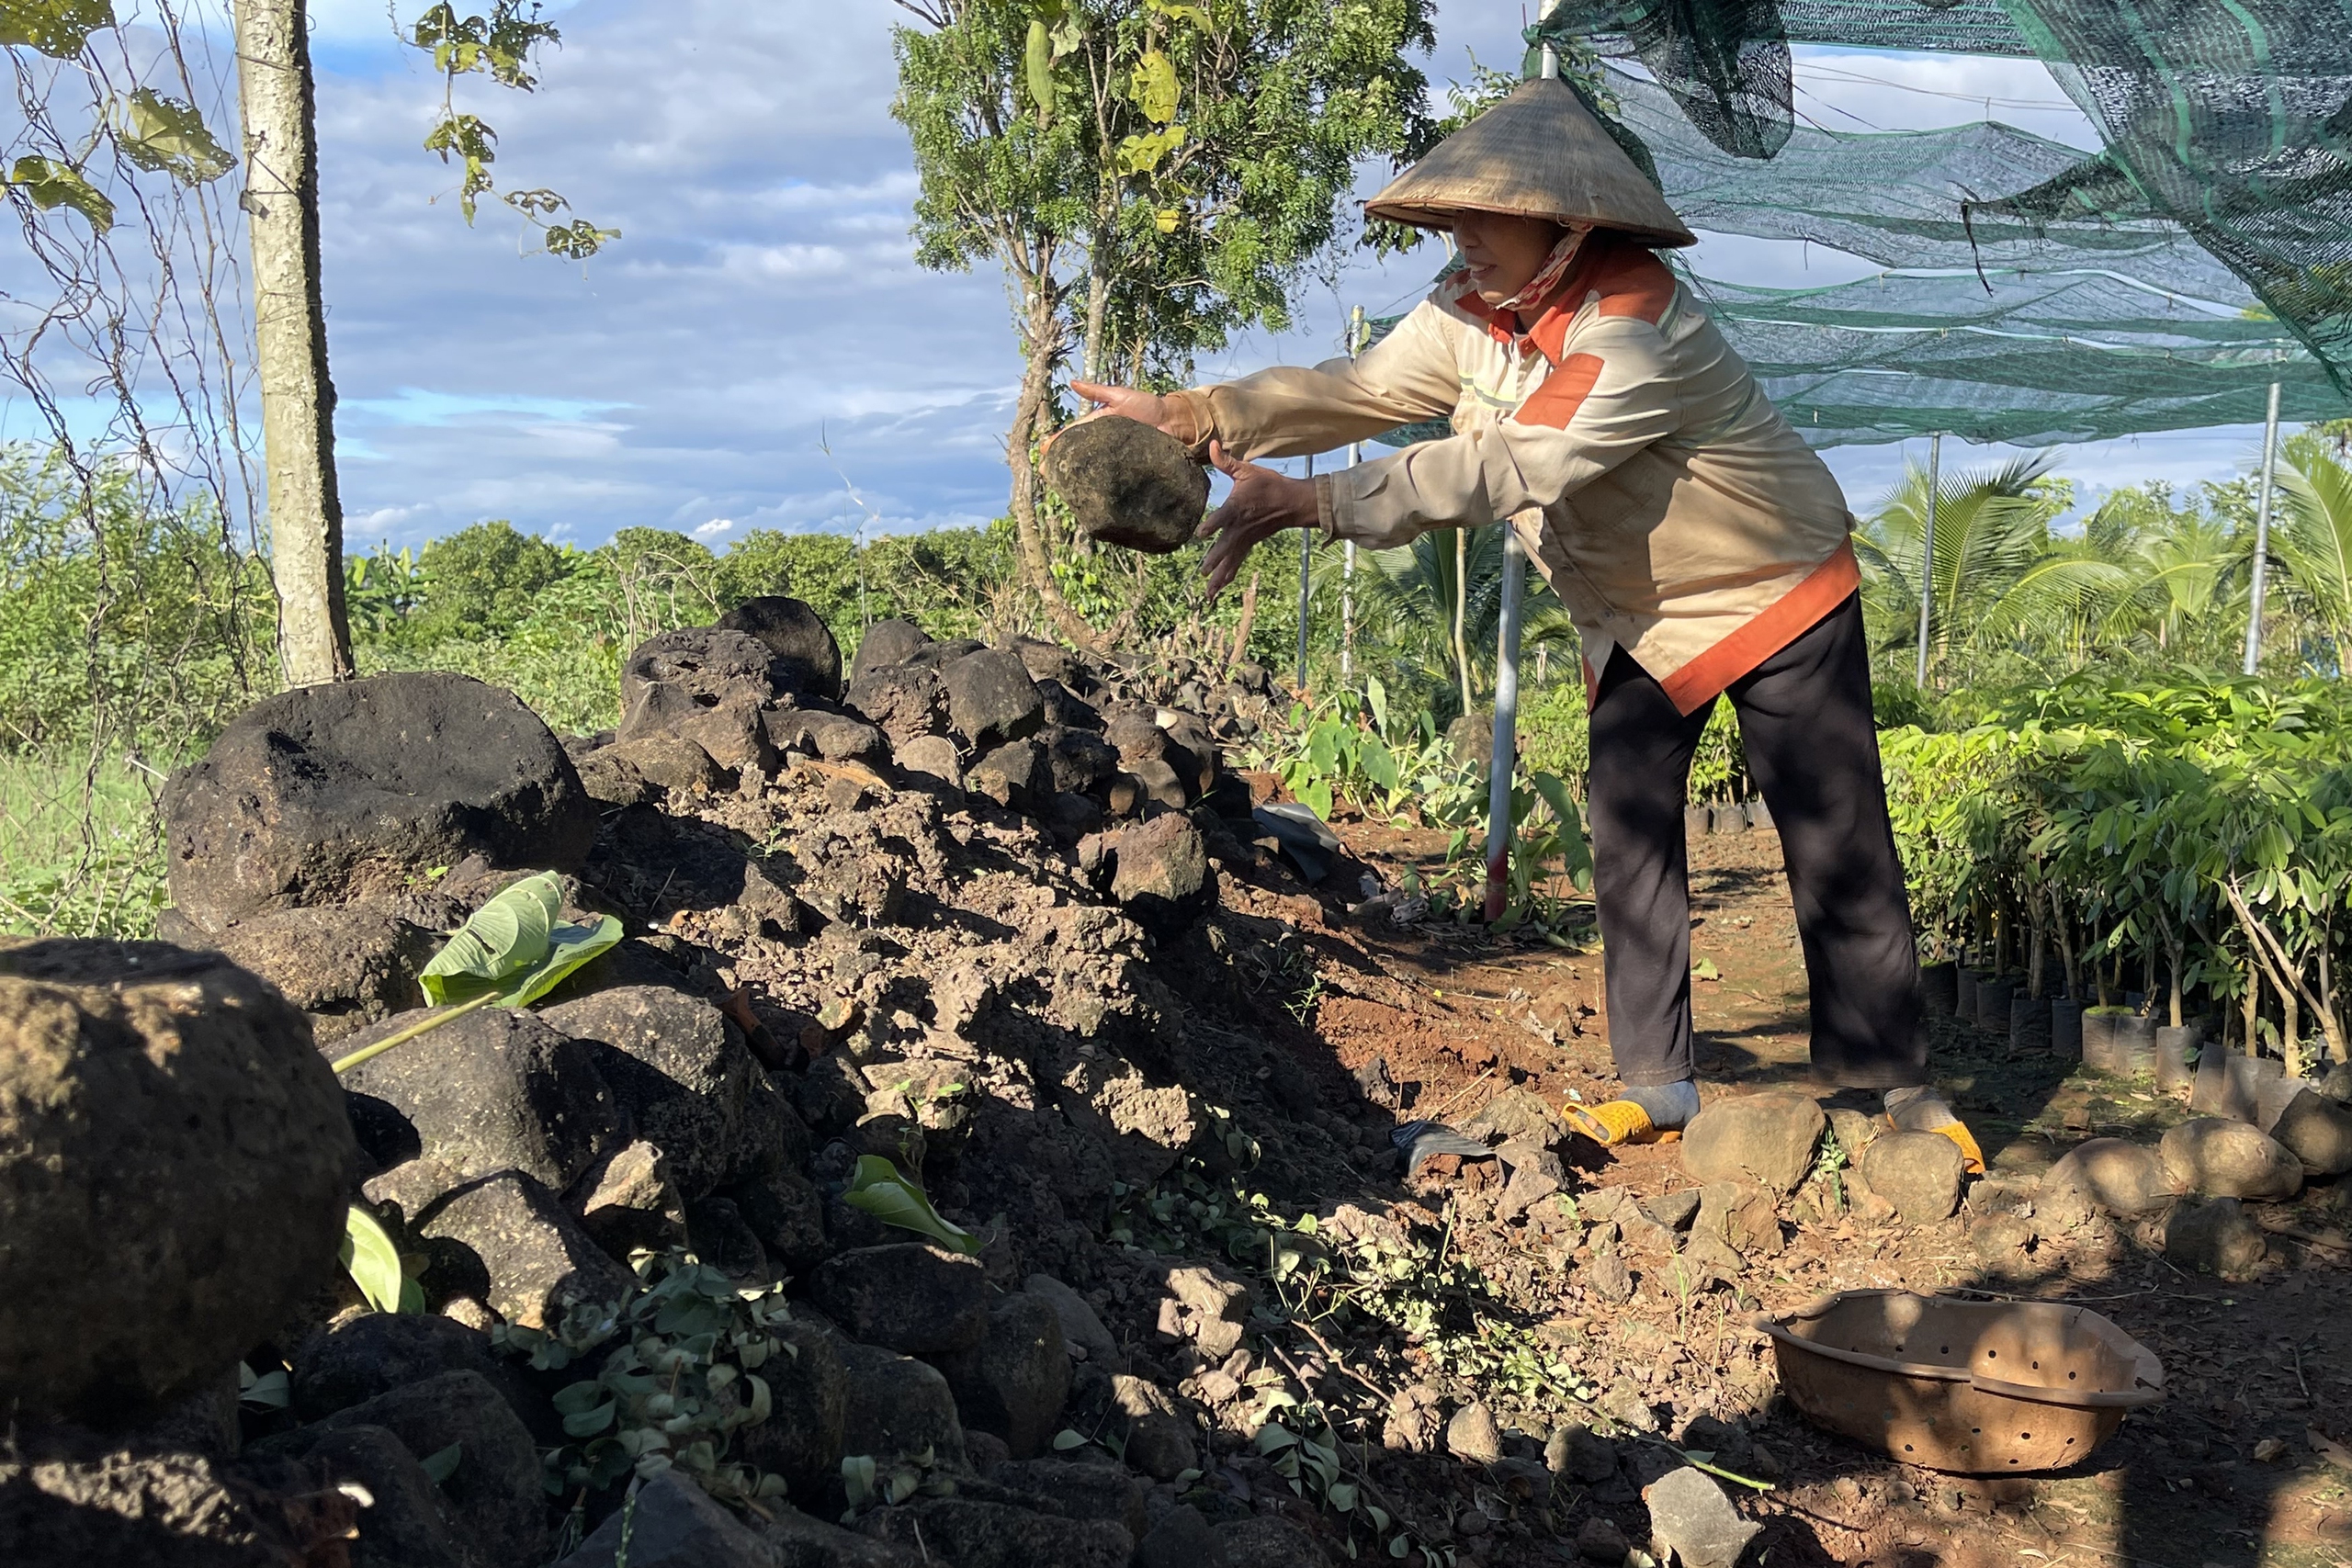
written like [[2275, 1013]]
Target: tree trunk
[[1041, 342], [281, 202]]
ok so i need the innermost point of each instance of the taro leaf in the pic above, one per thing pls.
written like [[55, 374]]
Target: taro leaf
[[48, 185], [1576, 851], [169, 138], [271, 1391], [373, 1262], [442, 1463], [881, 1191], [1380, 763], [513, 951], [57, 28]]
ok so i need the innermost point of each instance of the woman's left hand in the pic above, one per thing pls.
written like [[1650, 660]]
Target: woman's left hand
[[1262, 505]]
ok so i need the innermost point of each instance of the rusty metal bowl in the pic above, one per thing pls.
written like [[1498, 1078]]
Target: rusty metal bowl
[[1975, 1388]]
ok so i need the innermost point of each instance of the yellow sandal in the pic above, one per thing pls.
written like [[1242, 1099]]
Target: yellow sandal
[[1616, 1122], [1972, 1159]]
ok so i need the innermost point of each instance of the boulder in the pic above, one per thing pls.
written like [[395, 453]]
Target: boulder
[[1082, 1325], [716, 1234], [405, 1522], [2218, 1158], [992, 700], [682, 1070], [1691, 1517], [2317, 1130], [786, 1212], [496, 1089], [494, 1495], [678, 677], [336, 794], [1147, 1126], [169, 1510], [801, 1541], [887, 643], [347, 968], [1078, 1489], [904, 700], [1767, 1138], [1157, 870], [1015, 1380], [1180, 1537], [896, 1405], [673, 1524], [811, 1393], [2120, 1178], [1919, 1173], [1855, 1132], [1127, 484], [807, 660], [931, 756], [1159, 1442], [671, 764], [168, 1108], [1473, 1436], [972, 1534], [507, 1241], [373, 1353], [835, 737], [1581, 1454], [1015, 775], [2215, 1237], [906, 1296], [1600, 1540], [627, 1200], [1268, 1540]]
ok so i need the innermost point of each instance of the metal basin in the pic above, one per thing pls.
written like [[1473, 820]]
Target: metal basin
[[1975, 1388]]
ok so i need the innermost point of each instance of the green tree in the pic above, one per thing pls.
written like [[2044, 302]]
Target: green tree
[[2313, 539], [1151, 174], [820, 569], [483, 580]]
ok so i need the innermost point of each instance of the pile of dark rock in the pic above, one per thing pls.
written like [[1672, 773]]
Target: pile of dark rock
[[907, 914]]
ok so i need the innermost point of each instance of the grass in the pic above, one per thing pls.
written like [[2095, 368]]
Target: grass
[[80, 846]]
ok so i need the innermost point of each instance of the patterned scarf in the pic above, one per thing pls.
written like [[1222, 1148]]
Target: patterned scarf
[[1556, 266]]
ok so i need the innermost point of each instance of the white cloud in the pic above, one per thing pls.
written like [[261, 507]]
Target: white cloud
[[714, 527]]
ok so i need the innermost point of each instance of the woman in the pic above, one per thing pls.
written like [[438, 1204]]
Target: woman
[[1701, 546]]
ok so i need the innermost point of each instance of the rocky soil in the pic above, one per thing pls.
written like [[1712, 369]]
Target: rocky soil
[[1007, 920]]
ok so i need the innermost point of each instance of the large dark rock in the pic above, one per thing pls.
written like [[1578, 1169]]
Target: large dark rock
[[508, 1242], [1157, 870], [2318, 1131], [1128, 484], [1078, 1490], [694, 1089], [406, 1523], [334, 794], [806, 1433], [2218, 1158], [905, 700], [676, 1524], [992, 699], [997, 1535], [806, 653], [347, 968], [786, 1212], [1015, 1380], [819, 732], [494, 1494], [374, 1353], [886, 643], [705, 685], [896, 1405], [496, 1089], [907, 1296], [1082, 762], [175, 1162], [169, 1510]]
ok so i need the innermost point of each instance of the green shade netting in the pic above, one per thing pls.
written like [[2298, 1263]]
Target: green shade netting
[[2229, 118]]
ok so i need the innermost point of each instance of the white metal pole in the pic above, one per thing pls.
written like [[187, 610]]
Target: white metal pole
[[1348, 562], [1505, 755], [2262, 531], [1928, 554], [1306, 588]]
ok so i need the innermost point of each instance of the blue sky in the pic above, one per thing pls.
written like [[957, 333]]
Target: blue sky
[[763, 299]]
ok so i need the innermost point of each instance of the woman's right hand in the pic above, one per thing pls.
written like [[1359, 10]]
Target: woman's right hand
[[1164, 414]]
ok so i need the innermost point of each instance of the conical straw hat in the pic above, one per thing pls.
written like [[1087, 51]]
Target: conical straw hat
[[1540, 154]]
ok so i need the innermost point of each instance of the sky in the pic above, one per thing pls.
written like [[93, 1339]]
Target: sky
[[759, 350]]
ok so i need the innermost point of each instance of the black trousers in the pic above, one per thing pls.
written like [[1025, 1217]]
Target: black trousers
[[1804, 722]]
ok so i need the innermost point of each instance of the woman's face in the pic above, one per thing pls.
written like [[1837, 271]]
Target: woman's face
[[1503, 252]]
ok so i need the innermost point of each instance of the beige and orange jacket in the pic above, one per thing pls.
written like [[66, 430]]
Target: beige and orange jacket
[[1672, 509]]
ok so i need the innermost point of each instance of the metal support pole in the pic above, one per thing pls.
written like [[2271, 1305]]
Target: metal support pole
[[1928, 555], [1348, 562], [1506, 752], [1306, 588], [2262, 531]]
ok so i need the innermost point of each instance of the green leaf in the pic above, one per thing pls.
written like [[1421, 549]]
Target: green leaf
[[1379, 763], [880, 1190], [271, 1391], [1156, 90], [589, 1422], [1705, 970], [56, 27], [513, 951], [442, 1463], [1038, 67], [48, 185], [1069, 1438], [371, 1259], [168, 137], [1142, 154]]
